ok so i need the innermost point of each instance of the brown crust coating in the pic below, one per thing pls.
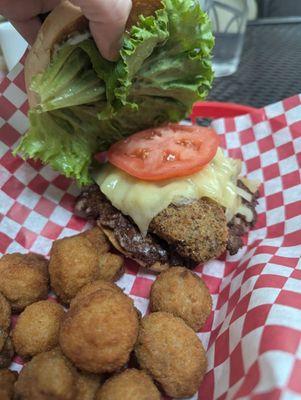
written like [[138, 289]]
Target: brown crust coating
[[183, 294], [7, 380], [104, 326], [111, 267], [6, 350], [97, 239], [5, 313], [47, 376], [93, 287], [87, 386], [3, 337], [74, 262], [171, 353], [37, 328], [198, 231], [130, 384], [24, 279]]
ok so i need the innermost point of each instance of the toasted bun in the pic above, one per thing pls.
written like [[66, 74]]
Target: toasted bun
[[157, 267], [143, 7], [60, 23]]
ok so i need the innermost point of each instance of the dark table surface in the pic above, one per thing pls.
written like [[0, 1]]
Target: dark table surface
[[270, 68]]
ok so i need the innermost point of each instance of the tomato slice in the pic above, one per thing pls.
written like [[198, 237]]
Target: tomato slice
[[165, 152]]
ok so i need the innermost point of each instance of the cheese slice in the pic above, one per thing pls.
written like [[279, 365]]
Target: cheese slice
[[143, 200]]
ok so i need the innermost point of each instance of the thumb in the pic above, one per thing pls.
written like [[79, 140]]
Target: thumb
[[108, 19]]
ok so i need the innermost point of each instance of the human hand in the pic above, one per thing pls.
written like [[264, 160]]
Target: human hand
[[107, 22], [107, 19]]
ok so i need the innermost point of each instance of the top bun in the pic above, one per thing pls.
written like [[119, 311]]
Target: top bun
[[64, 20], [61, 22]]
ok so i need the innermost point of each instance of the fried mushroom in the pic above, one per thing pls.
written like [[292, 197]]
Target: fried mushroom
[[6, 350], [93, 287], [183, 294], [111, 267], [37, 328], [171, 353], [87, 386], [24, 279], [48, 376], [99, 333], [78, 260], [5, 313], [130, 384], [7, 380]]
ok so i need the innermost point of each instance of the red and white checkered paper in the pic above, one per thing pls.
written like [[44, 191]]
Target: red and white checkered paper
[[253, 337]]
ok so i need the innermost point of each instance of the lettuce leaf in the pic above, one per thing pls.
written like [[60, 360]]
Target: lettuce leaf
[[177, 65], [65, 139], [87, 103]]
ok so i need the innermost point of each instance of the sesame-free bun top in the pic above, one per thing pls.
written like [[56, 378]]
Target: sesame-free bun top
[[61, 22], [64, 20]]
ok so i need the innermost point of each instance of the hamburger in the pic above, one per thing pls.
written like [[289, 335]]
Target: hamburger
[[167, 195], [182, 219]]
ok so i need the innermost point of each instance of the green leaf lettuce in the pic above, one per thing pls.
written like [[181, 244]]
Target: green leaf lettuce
[[87, 103]]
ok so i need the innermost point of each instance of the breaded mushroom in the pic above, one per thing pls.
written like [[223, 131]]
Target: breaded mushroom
[[99, 333], [24, 279], [6, 350], [6, 347], [97, 239], [74, 262], [5, 313], [7, 380], [196, 231], [51, 376], [78, 260], [48, 376], [111, 267], [37, 328], [87, 386], [3, 337], [93, 287], [171, 353], [183, 294], [130, 384]]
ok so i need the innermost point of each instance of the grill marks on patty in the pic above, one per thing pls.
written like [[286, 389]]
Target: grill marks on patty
[[189, 234]]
